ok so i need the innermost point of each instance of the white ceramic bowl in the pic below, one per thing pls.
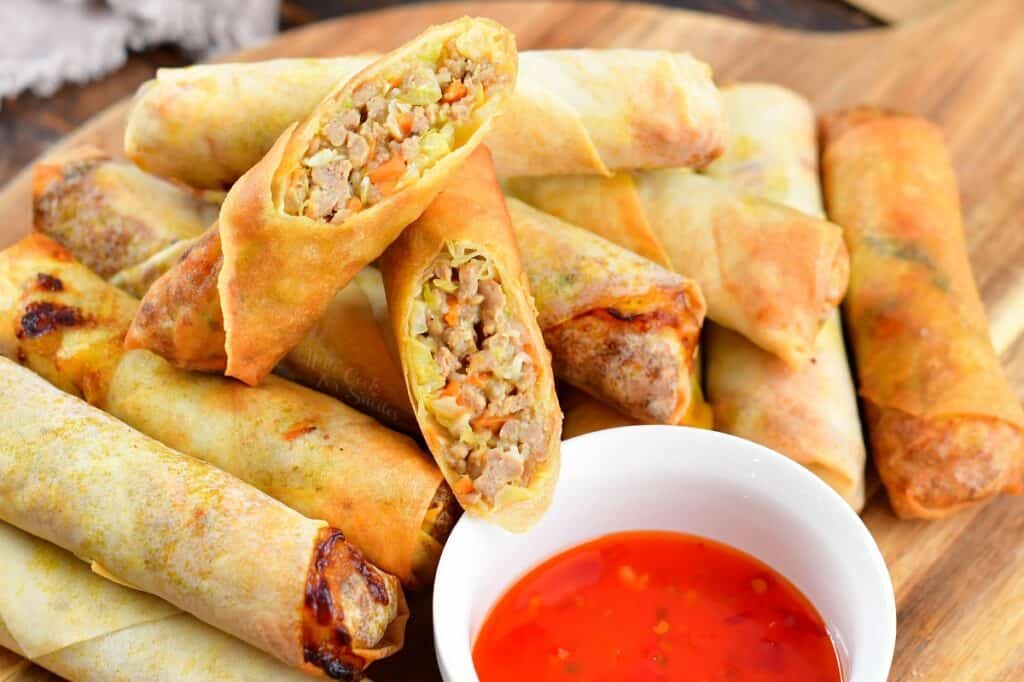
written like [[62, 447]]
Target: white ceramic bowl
[[693, 481]]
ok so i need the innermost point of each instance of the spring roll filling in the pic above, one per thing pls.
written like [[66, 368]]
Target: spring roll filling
[[72, 201], [476, 374], [391, 130]]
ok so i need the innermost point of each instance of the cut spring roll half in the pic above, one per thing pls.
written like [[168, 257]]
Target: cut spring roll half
[[316, 455], [62, 615], [207, 125], [770, 272], [129, 215], [338, 187], [619, 327], [945, 427], [188, 532], [478, 374], [808, 414]]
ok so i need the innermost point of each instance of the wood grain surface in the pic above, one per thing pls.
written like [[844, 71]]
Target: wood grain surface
[[960, 582]]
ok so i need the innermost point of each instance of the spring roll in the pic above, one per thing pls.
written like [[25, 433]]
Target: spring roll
[[207, 125], [133, 214], [619, 327], [478, 374], [946, 428], [66, 618], [339, 186], [809, 414], [183, 530], [584, 414], [304, 448], [769, 272]]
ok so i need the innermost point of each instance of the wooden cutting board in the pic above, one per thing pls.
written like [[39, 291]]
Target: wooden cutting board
[[960, 582]]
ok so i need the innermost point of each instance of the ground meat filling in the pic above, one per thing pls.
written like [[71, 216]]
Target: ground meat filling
[[387, 134], [477, 376]]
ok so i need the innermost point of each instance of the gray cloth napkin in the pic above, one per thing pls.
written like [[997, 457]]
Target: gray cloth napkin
[[46, 43]]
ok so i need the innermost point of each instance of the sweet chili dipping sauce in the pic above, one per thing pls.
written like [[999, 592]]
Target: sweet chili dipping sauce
[[653, 606]]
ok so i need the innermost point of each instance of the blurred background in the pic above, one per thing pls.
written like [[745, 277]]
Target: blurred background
[[63, 61]]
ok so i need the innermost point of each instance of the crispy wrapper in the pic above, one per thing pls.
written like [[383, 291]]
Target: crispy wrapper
[[471, 213], [304, 448], [619, 327], [767, 271], [946, 429], [67, 619], [188, 532], [808, 414], [207, 125], [280, 270], [130, 215]]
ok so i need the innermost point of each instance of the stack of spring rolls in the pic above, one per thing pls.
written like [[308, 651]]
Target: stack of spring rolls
[[212, 352]]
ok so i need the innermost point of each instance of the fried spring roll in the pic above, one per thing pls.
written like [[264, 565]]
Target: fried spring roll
[[135, 214], [66, 618], [207, 125], [338, 187], [768, 271], [619, 327], [809, 414], [474, 360], [188, 532], [945, 427], [304, 448]]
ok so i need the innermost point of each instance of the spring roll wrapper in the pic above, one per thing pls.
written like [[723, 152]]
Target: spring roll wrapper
[[472, 210], [132, 214], [299, 446], [280, 271], [809, 414], [207, 125], [150, 517], [767, 271], [641, 323], [946, 428], [68, 619]]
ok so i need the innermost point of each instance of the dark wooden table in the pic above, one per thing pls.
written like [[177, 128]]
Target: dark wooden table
[[30, 124]]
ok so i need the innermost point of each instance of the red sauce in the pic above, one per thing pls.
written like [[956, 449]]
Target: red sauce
[[653, 606]]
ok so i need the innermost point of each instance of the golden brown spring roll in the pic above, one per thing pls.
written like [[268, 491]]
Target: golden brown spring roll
[[304, 448], [133, 215], [474, 360], [619, 327], [186, 531], [767, 271], [339, 186], [584, 414], [945, 427], [59, 613], [808, 414], [207, 125]]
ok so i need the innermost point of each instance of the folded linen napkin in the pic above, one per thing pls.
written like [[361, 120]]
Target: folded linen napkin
[[49, 42]]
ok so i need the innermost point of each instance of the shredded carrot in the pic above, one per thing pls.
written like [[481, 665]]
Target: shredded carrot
[[450, 389], [353, 204], [463, 486], [454, 92], [479, 380], [405, 123], [452, 316], [491, 422], [387, 175]]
